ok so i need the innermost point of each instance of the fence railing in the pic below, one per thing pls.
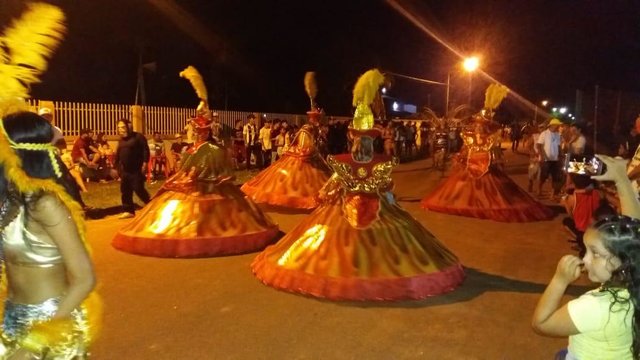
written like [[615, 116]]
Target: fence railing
[[71, 117]]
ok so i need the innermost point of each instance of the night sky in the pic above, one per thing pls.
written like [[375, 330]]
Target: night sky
[[253, 54]]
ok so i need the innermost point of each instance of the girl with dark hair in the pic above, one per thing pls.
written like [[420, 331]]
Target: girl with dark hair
[[603, 323], [49, 271]]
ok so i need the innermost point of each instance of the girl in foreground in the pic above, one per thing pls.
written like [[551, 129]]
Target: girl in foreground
[[602, 323], [48, 270]]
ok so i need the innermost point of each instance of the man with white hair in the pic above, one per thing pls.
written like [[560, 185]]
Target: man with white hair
[[47, 114]]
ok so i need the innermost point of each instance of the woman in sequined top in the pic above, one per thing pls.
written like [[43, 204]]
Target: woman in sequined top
[[48, 268]]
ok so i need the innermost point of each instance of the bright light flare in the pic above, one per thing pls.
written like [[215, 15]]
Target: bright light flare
[[471, 64], [166, 217], [309, 241]]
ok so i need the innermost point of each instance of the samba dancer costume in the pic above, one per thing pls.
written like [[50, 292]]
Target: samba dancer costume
[[477, 186], [295, 179], [32, 327], [360, 244], [199, 211]]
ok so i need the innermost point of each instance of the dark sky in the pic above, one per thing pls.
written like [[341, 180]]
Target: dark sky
[[253, 54]]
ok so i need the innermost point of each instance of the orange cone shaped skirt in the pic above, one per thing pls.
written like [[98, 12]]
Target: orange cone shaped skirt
[[492, 195], [294, 180], [359, 245], [198, 212]]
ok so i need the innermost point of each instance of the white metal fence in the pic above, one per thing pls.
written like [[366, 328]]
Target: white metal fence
[[71, 117]]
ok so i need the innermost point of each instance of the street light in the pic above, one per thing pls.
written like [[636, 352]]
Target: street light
[[470, 65]]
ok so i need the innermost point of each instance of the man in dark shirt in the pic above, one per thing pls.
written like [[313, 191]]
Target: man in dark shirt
[[131, 161]]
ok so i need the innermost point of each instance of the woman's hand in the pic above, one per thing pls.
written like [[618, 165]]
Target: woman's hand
[[569, 269], [616, 169]]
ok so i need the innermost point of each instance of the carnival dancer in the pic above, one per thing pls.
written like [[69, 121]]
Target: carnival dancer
[[199, 211], [360, 244], [295, 179], [49, 272], [477, 187]]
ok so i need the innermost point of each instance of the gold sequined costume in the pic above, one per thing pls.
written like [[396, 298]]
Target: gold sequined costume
[[295, 179], [198, 212], [360, 244]]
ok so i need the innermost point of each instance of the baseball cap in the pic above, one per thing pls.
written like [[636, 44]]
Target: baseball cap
[[555, 121], [44, 111]]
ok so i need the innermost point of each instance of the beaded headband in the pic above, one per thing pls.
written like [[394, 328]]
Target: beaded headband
[[50, 149]]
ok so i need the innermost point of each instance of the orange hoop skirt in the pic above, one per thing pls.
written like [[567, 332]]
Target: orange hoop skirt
[[394, 258], [293, 181], [199, 212], [491, 196]]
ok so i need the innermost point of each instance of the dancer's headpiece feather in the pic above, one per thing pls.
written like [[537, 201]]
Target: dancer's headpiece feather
[[364, 93], [194, 77], [311, 88]]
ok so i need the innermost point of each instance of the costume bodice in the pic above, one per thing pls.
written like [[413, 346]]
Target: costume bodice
[[305, 140], [23, 248], [366, 177], [203, 167]]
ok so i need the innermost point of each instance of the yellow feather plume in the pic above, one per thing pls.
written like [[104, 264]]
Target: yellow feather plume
[[494, 95], [364, 93], [310, 86], [29, 42], [367, 87], [191, 74]]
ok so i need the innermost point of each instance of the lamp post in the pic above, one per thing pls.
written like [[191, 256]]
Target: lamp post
[[470, 65]]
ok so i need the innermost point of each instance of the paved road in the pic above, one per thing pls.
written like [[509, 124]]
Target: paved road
[[215, 309]]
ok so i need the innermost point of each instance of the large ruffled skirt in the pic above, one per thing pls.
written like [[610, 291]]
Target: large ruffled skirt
[[490, 196], [182, 224], [292, 182], [394, 258]]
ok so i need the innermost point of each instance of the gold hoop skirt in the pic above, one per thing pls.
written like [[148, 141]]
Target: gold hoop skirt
[[393, 257], [199, 212], [491, 196], [293, 181]]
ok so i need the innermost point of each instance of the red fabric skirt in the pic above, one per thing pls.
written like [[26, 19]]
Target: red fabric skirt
[[178, 224], [293, 182], [491, 196], [390, 257]]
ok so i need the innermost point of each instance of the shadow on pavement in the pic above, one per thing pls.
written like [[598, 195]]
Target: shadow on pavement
[[475, 284]]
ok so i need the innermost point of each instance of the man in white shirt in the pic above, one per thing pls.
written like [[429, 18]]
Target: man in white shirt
[[265, 140], [548, 145], [577, 143]]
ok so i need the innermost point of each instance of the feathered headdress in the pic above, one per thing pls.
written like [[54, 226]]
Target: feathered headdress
[[26, 45], [194, 77], [311, 88], [493, 96], [364, 93]]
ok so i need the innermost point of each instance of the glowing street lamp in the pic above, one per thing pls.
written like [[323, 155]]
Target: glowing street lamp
[[544, 103], [470, 65]]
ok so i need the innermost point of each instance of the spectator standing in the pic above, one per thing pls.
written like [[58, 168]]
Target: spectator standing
[[516, 136], [264, 139], [188, 129], [47, 114], [216, 128], [251, 142], [281, 141], [131, 161], [548, 144], [387, 136], [275, 131], [238, 144]]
